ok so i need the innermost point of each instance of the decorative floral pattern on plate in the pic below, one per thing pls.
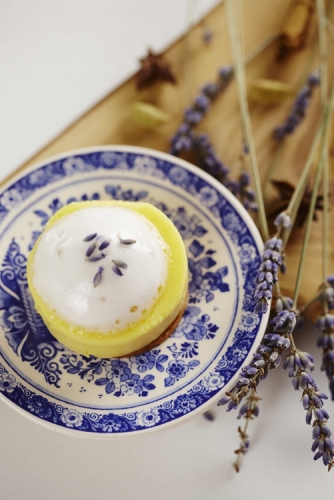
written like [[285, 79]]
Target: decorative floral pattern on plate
[[183, 375]]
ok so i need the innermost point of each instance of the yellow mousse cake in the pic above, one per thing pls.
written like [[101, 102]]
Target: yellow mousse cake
[[109, 278]]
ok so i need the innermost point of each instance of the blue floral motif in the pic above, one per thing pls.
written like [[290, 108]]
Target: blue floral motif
[[188, 226], [179, 176], [177, 369], [14, 318], [113, 160], [120, 381], [111, 423], [249, 321], [147, 166], [208, 196], [148, 418], [11, 198], [72, 418], [117, 193], [247, 254], [39, 406], [41, 176], [24, 329], [148, 360], [76, 165], [7, 382], [213, 381], [195, 327], [184, 404], [203, 284], [237, 353]]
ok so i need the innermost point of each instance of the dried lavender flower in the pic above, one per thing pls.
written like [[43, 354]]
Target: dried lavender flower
[[283, 303], [104, 244], [243, 191], [326, 342], [326, 295], [283, 221], [90, 249], [207, 158], [184, 137], [96, 258], [298, 360], [128, 241], [117, 270], [299, 108], [207, 35], [90, 237], [98, 276], [208, 415], [313, 401], [272, 260], [267, 357], [118, 265]]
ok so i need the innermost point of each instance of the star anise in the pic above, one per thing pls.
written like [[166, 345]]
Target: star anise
[[286, 190], [154, 67]]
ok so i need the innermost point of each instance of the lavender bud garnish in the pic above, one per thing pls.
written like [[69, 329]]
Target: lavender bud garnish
[[90, 249], [96, 258], [117, 271], [127, 241], [90, 237], [98, 277], [120, 263], [104, 244]]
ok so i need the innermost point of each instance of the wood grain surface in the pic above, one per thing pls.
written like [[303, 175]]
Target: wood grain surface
[[110, 121]]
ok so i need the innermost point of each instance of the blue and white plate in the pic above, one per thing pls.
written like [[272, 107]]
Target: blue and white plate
[[187, 373]]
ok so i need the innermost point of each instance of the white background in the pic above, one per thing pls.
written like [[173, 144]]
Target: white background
[[58, 58]]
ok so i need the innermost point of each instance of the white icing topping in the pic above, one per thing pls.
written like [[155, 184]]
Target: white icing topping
[[64, 277]]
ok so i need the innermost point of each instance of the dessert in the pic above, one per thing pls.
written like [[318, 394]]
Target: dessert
[[109, 278]]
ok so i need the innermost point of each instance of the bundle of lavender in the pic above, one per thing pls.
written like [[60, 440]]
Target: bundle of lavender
[[279, 343]]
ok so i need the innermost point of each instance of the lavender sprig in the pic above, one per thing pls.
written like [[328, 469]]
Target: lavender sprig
[[207, 158], [298, 364], [272, 261], [183, 139], [248, 411], [299, 108], [268, 356]]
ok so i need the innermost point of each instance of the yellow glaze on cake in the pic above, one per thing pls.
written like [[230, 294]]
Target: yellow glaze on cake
[[152, 323]]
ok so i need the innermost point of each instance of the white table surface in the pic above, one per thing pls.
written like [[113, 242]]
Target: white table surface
[[57, 58]]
